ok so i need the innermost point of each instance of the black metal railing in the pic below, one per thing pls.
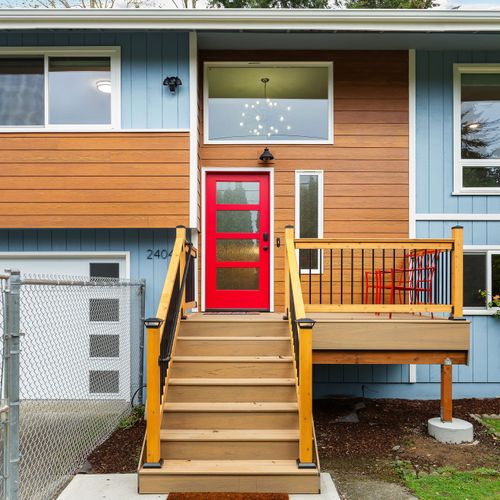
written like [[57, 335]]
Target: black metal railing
[[179, 295], [295, 333], [376, 276]]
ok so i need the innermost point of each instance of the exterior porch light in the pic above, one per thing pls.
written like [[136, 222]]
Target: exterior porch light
[[172, 82], [153, 322], [266, 155]]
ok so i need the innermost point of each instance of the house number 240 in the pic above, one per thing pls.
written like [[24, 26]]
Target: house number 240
[[158, 253]]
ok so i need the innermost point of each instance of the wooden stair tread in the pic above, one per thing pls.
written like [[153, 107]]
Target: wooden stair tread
[[229, 435], [230, 407], [233, 359], [233, 339], [232, 381], [230, 467]]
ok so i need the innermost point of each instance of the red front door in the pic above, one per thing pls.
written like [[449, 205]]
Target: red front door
[[237, 241]]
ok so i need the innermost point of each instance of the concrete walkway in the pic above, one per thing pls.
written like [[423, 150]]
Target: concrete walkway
[[124, 487]]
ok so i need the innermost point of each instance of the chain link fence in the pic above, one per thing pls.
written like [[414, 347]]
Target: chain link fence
[[80, 369]]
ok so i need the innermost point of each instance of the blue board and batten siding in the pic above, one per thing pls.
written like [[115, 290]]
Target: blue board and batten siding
[[434, 188], [140, 243], [146, 59]]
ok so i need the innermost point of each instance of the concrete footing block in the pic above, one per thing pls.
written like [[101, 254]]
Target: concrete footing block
[[455, 432]]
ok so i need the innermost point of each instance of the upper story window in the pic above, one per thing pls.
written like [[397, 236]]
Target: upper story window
[[59, 89], [269, 103], [477, 129], [481, 277]]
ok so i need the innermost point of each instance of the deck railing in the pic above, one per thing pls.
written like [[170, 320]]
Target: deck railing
[[161, 334], [364, 276]]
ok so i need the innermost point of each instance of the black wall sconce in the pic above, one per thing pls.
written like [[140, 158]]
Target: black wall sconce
[[266, 155], [172, 82]]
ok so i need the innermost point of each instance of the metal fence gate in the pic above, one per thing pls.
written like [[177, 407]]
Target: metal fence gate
[[71, 366]]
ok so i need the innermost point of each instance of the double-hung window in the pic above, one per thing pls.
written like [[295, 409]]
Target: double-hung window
[[269, 103], [59, 89], [481, 279], [309, 216], [477, 128]]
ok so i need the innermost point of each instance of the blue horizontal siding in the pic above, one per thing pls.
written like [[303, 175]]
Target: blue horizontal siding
[[146, 59], [135, 241]]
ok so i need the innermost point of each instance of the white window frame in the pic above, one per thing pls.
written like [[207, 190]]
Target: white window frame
[[112, 52], [487, 251], [319, 174], [459, 163], [246, 64]]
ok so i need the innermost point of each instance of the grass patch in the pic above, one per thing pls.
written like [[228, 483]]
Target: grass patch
[[449, 483], [492, 424], [135, 416]]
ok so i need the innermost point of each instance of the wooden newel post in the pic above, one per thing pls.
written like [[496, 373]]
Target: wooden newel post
[[457, 273], [153, 404], [305, 326], [446, 391], [289, 235], [180, 233]]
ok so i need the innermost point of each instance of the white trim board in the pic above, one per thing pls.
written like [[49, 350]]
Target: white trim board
[[458, 217], [238, 170], [246, 64], [193, 130], [114, 54]]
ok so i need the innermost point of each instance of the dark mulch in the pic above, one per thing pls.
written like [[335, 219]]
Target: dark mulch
[[394, 429], [227, 496], [120, 452]]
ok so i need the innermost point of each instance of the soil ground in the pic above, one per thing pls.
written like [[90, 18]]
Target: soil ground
[[359, 443]]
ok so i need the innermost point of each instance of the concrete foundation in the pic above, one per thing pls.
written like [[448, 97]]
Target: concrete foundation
[[455, 432]]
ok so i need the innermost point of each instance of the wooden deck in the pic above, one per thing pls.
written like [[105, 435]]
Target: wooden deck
[[368, 338]]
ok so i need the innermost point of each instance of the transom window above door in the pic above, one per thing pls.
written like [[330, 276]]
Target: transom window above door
[[269, 103], [59, 89]]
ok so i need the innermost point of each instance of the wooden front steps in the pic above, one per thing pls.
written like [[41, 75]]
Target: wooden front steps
[[230, 420]]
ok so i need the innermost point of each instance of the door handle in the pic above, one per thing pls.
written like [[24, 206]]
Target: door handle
[[265, 237]]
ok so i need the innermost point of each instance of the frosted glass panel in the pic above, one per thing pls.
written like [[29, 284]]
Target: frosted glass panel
[[244, 193], [237, 278], [21, 91], [80, 90], [237, 250], [237, 221]]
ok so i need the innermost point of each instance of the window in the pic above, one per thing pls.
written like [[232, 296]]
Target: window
[[477, 128], [481, 273], [269, 102], [309, 215], [59, 89]]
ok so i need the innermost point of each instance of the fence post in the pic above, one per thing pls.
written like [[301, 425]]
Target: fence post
[[457, 274], [153, 403], [12, 371]]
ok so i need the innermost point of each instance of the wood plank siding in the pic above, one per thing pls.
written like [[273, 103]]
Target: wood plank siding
[[365, 170], [90, 180]]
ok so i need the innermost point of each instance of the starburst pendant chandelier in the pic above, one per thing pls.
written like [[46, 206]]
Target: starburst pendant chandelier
[[265, 117]]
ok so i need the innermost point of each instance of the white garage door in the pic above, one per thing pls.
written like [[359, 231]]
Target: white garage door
[[76, 342]]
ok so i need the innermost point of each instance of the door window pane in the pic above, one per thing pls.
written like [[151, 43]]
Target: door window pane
[[237, 221], [104, 309], [474, 279], [244, 193], [268, 102], [21, 91], [480, 112], [237, 278], [237, 250], [104, 382], [104, 270], [79, 90]]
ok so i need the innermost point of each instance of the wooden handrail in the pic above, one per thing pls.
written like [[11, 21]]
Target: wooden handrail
[[293, 293], [154, 336]]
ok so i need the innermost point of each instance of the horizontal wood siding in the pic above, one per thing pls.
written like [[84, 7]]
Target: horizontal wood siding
[[90, 180], [365, 170]]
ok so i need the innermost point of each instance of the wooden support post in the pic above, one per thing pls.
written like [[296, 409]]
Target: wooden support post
[[289, 235], [180, 233], [446, 391], [457, 273], [305, 395], [153, 405]]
